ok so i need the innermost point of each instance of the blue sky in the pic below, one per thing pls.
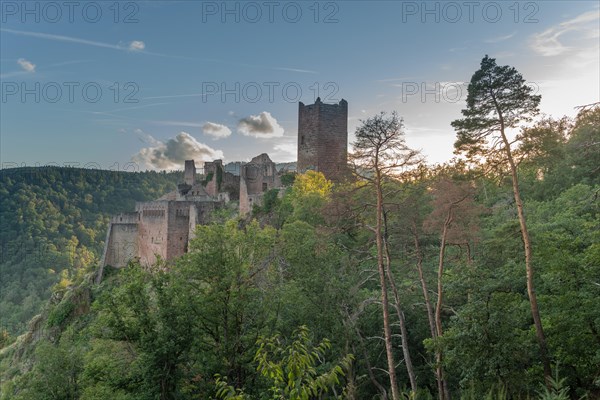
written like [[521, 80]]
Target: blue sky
[[157, 82]]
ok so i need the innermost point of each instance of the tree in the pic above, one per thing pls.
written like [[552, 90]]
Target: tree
[[380, 151], [584, 146], [154, 319], [309, 194], [295, 370], [498, 99], [229, 279]]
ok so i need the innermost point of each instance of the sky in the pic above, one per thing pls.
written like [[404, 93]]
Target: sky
[[147, 84]]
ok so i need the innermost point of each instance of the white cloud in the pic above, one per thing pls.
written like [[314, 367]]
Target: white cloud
[[263, 125], [170, 155], [137, 45], [27, 66], [548, 43], [215, 130]]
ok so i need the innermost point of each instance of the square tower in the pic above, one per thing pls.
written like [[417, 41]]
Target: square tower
[[189, 174], [323, 138]]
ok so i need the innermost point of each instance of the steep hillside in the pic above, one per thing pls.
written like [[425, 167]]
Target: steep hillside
[[53, 224]]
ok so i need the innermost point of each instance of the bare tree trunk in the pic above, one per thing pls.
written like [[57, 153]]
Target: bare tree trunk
[[374, 380], [445, 394], [535, 312], [403, 331], [430, 315], [384, 295]]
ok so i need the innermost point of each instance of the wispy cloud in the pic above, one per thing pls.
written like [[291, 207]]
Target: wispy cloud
[[129, 108], [186, 124], [135, 46], [407, 78], [548, 43], [146, 137], [302, 71], [286, 150], [500, 38], [13, 74], [62, 38], [174, 96], [288, 69]]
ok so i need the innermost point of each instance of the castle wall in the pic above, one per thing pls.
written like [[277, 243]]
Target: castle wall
[[178, 228], [231, 185], [245, 205], [323, 138], [121, 240], [192, 222], [152, 231]]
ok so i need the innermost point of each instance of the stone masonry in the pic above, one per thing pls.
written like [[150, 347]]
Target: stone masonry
[[162, 229], [323, 138]]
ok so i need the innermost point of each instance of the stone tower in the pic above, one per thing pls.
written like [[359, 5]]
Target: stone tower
[[189, 175], [323, 138]]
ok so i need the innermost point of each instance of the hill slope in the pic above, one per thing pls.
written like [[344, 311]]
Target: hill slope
[[52, 224]]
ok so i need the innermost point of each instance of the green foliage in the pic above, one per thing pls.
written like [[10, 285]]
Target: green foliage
[[226, 308], [270, 200], [147, 312], [5, 338], [555, 390], [309, 194], [288, 179], [56, 372], [219, 178], [207, 178], [295, 371], [59, 314], [497, 98], [53, 220]]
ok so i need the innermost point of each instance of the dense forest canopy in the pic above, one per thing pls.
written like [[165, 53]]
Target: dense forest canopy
[[475, 279], [54, 224]]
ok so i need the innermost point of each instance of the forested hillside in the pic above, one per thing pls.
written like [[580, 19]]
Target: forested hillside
[[292, 304], [53, 225], [475, 279]]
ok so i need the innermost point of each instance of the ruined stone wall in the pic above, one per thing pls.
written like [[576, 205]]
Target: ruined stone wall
[[204, 211], [231, 185], [178, 228], [189, 175], [214, 170], [245, 206], [121, 240], [153, 231], [260, 175], [257, 177], [323, 137]]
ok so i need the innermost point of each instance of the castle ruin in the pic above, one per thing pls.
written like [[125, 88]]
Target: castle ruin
[[256, 178], [162, 229]]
